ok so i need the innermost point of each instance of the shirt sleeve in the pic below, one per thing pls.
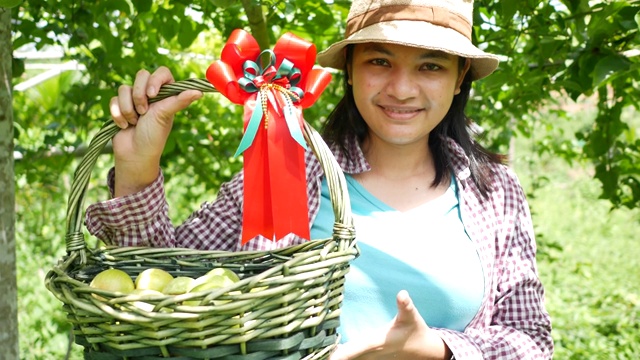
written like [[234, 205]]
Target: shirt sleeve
[[141, 219], [519, 327]]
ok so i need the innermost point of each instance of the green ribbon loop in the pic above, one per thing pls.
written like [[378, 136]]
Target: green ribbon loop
[[251, 70]]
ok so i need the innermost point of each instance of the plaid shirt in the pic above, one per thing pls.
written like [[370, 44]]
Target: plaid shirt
[[512, 322]]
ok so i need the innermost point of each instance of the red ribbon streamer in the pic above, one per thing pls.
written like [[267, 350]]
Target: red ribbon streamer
[[275, 185]]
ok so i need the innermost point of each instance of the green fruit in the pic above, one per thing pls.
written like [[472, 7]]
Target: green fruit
[[224, 272], [179, 285], [145, 292], [113, 280], [153, 279], [10, 3], [210, 282]]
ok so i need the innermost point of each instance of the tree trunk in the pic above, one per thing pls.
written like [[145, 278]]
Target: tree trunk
[[8, 287], [257, 22]]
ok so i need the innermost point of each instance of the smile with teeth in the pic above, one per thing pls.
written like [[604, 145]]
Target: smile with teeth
[[400, 110], [393, 111]]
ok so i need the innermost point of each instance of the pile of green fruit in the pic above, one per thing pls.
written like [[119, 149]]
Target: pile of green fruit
[[158, 282]]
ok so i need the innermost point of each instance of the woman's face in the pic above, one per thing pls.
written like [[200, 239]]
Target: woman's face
[[403, 92]]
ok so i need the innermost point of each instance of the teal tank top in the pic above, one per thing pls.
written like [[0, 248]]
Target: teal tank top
[[425, 251]]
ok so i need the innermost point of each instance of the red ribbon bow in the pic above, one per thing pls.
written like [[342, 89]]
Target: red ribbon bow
[[275, 186]]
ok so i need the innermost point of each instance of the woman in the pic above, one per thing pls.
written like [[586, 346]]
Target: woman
[[448, 252]]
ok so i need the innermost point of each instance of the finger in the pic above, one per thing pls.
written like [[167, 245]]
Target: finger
[[407, 312], [125, 103], [161, 76], [116, 114], [139, 92], [166, 108]]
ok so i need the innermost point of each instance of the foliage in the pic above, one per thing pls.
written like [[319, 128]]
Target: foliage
[[594, 305], [593, 302], [557, 54], [553, 49], [571, 48]]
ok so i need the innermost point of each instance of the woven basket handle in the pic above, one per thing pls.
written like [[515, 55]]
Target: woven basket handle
[[75, 240]]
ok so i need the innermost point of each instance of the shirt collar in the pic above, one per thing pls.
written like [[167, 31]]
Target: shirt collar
[[353, 161], [459, 160]]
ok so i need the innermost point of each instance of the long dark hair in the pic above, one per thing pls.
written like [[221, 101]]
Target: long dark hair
[[345, 121]]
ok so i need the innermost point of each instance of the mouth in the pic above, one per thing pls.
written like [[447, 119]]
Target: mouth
[[400, 112]]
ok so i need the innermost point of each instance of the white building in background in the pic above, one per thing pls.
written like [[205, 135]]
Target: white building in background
[[44, 60]]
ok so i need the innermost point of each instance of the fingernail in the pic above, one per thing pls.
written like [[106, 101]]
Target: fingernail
[[151, 91], [141, 109], [122, 124]]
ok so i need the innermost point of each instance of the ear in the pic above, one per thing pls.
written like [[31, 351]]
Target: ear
[[462, 74], [349, 66]]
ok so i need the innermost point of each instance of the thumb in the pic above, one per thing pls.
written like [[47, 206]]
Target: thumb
[[168, 107], [407, 312]]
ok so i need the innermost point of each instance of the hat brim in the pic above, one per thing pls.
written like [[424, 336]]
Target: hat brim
[[420, 34]]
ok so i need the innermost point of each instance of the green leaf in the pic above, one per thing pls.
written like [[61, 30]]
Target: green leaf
[[187, 33], [17, 67], [510, 7], [166, 24], [637, 18], [142, 6], [111, 5], [608, 66]]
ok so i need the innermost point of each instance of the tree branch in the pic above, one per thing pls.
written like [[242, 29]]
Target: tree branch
[[257, 22]]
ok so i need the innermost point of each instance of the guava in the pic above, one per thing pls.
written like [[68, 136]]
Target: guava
[[147, 293], [114, 280], [224, 272], [179, 285], [153, 279], [210, 282]]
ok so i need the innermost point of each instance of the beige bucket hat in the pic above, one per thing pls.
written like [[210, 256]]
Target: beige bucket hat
[[443, 25]]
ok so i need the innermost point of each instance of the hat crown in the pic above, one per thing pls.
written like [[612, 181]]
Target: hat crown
[[439, 25], [454, 14]]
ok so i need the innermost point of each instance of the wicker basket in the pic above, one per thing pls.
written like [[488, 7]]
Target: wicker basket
[[286, 305]]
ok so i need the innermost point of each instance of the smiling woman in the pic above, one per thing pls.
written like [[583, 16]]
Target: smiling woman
[[403, 92], [435, 213]]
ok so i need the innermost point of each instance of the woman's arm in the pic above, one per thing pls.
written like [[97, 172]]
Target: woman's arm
[[141, 219], [516, 324]]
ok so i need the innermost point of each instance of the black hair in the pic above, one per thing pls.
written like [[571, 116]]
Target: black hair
[[345, 121]]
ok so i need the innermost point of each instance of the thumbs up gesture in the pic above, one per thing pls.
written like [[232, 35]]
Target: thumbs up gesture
[[406, 337]]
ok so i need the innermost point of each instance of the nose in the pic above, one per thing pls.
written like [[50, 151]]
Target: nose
[[402, 85]]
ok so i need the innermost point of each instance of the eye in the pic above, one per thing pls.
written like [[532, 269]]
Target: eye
[[431, 67], [379, 62]]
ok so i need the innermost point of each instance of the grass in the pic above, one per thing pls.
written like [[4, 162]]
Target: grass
[[589, 262], [592, 284]]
